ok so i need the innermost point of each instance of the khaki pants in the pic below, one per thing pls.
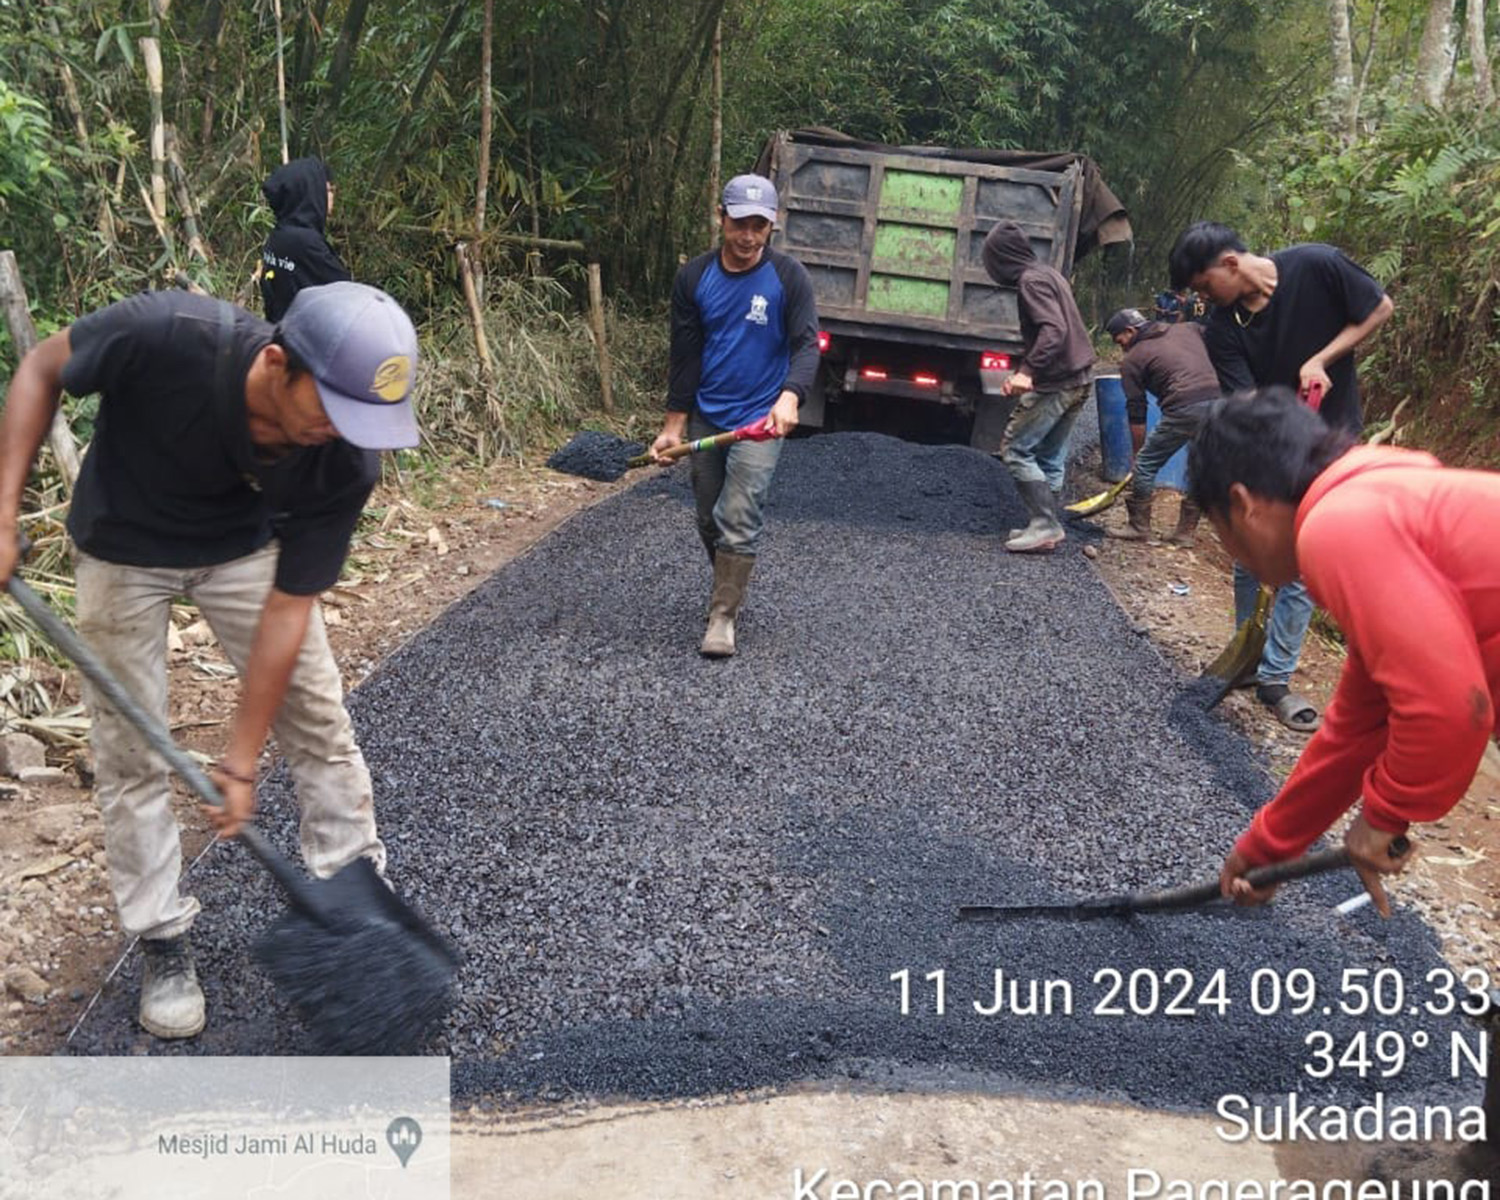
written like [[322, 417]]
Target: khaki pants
[[123, 613]]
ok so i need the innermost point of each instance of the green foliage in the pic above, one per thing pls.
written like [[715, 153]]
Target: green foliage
[[1418, 203], [25, 158]]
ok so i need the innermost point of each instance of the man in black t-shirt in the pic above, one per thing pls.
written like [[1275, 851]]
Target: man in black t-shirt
[[230, 462], [1291, 318]]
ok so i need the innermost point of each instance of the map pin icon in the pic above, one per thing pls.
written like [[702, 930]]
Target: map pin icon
[[403, 1135]]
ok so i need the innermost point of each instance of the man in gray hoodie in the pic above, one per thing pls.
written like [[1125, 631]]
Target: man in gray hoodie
[[1050, 384]]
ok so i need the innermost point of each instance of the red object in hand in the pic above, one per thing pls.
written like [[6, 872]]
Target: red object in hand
[[757, 431], [1312, 396]]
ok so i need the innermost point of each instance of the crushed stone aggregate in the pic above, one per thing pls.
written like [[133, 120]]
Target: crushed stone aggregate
[[595, 455], [671, 876]]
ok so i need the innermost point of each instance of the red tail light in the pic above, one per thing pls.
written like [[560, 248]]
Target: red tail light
[[926, 380], [873, 373], [993, 360], [825, 339]]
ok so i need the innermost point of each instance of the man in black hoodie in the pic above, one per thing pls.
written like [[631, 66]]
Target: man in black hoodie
[[1050, 385], [297, 255]]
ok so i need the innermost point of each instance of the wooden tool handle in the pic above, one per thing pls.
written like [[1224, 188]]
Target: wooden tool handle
[[66, 639], [673, 453]]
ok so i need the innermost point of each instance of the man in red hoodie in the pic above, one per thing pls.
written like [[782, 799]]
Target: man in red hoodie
[[1402, 553]]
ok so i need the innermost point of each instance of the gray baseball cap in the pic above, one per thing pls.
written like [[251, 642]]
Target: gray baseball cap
[[751, 196], [361, 348], [1125, 318]]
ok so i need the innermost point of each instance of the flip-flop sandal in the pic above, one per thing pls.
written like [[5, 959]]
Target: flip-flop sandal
[[1297, 714]]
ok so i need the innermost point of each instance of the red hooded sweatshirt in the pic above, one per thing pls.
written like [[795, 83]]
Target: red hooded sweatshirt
[[1404, 554]]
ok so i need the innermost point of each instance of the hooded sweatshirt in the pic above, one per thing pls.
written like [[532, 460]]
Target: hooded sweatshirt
[[1058, 353], [1403, 555], [1172, 363], [297, 255]]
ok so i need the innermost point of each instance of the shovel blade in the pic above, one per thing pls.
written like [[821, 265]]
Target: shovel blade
[[364, 971], [1238, 659], [1098, 503]]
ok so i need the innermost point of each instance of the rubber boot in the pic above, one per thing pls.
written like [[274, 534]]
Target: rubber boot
[[1045, 532], [1186, 532], [1138, 528], [731, 577], [171, 1000]]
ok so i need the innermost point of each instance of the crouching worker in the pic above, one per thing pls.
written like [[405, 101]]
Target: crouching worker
[[744, 349], [1171, 362], [1050, 385], [230, 463], [1401, 552]]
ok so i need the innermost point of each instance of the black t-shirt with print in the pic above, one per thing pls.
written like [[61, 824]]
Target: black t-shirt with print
[[1318, 292], [171, 478]]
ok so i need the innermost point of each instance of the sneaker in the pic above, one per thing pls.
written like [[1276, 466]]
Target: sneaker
[[171, 1000]]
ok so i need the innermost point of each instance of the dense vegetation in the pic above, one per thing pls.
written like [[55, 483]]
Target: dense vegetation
[[1369, 124]]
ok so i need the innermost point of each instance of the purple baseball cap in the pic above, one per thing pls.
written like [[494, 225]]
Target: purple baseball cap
[[361, 348], [751, 196]]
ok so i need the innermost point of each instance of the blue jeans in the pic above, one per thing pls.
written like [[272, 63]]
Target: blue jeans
[[1172, 432], [1035, 445], [730, 486], [1286, 629]]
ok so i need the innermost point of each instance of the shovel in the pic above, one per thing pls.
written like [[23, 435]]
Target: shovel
[[1238, 660], [1097, 504], [365, 972], [604, 457], [1173, 899]]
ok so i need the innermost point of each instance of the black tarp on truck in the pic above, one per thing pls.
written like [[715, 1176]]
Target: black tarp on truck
[[891, 236]]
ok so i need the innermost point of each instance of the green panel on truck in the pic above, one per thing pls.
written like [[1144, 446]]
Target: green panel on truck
[[914, 250], [909, 297], [941, 196]]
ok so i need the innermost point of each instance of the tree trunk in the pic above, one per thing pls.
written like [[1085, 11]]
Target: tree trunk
[[1342, 89], [304, 55], [1479, 56], [339, 71], [428, 71], [1434, 54], [23, 337]]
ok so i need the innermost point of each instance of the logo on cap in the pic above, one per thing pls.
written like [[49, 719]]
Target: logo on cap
[[392, 379]]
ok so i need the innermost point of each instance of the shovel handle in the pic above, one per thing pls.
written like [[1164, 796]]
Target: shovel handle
[[712, 442], [66, 639], [1260, 877]]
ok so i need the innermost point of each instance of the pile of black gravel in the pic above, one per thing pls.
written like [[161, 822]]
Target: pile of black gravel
[[672, 876], [595, 455]]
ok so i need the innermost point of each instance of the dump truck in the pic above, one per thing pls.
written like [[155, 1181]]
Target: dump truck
[[891, 236]]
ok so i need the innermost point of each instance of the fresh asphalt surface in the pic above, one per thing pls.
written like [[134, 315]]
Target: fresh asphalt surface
[[670, 876]]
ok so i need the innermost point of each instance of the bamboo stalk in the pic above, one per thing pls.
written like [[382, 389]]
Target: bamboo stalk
[[716, 153], [486, 129], [162, 231], [23, 335], [476, 314], [596, 321], [196, 245], [281, 82], [151, 56]]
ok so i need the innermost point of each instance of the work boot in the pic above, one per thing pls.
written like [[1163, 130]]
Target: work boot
[[1045, 532], [731, 577], [1138, 527], [171, 1000], [1185, 535]]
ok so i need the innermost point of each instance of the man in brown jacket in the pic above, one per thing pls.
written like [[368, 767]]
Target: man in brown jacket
[[1172, 363], [1050, 385]]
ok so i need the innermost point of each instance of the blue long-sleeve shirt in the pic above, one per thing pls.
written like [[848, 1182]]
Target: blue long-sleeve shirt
[[739, 339]]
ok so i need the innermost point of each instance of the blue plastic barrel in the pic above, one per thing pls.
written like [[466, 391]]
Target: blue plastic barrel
[[1114, 435]]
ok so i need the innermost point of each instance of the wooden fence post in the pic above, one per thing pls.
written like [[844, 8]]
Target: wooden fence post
[[23, 334]]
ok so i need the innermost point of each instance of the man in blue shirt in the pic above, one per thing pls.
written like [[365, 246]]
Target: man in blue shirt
[[744, 350]]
